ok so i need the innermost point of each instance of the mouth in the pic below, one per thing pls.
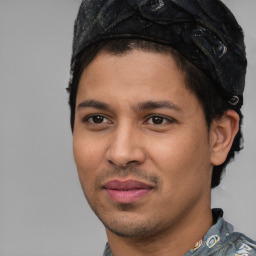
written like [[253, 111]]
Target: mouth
[[126, 192]]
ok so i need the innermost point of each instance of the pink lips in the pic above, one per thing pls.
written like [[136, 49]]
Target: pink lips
[[125, 192]]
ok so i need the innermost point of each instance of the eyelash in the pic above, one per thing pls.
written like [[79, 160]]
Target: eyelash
[[87, 118], [168, 120], [165, 119]]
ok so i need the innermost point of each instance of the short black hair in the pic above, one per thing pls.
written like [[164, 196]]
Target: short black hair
[[199, 83]]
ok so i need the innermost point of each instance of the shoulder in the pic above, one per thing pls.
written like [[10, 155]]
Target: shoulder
[[244, 245], [229, 243], [238, 244]]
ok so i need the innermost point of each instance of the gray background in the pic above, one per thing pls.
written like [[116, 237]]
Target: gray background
[[42, 207]]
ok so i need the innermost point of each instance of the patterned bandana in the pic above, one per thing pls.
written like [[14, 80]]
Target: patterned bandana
[[204, 31]]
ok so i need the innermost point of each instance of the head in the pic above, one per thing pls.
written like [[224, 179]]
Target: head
[[155, 120]]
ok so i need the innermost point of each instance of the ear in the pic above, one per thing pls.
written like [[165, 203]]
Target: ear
[[222, 133]]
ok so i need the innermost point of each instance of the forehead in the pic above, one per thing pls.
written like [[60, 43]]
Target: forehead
[[134, 77]]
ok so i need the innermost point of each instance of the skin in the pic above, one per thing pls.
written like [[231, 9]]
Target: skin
[[173, 152]]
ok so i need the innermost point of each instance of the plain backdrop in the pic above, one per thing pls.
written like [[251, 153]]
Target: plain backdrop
[[42, 208]]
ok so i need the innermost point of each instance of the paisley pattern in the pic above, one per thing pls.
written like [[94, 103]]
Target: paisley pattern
[[212, 240]]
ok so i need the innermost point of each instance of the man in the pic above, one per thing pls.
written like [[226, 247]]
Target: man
[[155, 97]]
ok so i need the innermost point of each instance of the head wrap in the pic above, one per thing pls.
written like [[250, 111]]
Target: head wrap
[[204, 31]]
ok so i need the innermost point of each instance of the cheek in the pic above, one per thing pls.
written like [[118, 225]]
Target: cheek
[[182, 163], [88, 154], [182, 159]]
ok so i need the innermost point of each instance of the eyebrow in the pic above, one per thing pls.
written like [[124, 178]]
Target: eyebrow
[[93, 104], [148, 105]]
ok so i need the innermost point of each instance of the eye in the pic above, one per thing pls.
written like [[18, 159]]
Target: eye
[[95, 119], [158, 120]]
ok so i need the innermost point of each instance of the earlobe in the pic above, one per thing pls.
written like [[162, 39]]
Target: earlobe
[[222, 134]]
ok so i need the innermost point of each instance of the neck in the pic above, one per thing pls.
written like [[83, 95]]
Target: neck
[[177, 239]]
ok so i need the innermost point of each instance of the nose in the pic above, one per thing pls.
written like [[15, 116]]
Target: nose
[[126, 147]]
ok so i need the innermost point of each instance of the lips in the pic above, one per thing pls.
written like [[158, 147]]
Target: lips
[[125, 192]]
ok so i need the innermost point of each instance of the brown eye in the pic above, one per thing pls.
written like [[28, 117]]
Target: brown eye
[[157, 120], [97, 119]]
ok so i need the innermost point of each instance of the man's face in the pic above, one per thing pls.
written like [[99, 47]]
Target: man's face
[[141, 144]]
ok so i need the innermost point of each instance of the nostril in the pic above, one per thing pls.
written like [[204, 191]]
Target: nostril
[[123, 165], [132, 162], [111, 162]]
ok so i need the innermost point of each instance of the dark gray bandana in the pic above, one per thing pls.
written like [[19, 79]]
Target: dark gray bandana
[[204, 31]]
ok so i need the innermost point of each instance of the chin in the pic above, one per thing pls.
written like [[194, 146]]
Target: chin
[[130, 226]]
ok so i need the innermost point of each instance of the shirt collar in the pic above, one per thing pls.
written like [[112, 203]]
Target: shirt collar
[[215, 237]]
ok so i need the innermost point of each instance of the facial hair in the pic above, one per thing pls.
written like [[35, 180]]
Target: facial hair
[[116, 226]]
